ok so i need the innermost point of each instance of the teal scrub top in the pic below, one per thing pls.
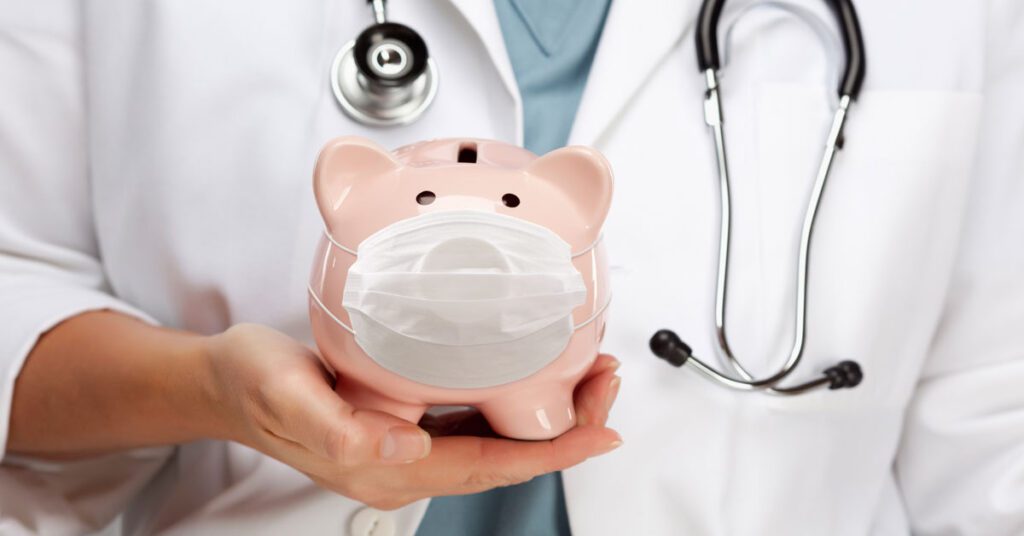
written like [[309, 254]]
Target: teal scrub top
[[551, 45]]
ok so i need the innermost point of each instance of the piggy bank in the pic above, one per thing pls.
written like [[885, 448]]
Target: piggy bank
[[461, 272]]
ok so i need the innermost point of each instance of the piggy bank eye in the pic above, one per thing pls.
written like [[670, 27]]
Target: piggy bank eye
[[510, 200], [425, 197]]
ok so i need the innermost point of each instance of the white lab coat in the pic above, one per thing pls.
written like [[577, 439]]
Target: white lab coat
[[155, 158]]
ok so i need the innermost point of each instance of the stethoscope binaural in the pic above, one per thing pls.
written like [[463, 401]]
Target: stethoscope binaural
[[385, 77]]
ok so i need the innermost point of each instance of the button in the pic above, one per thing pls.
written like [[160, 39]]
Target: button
[[372, 522]]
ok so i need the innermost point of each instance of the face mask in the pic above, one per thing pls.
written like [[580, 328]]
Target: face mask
[[462, 299]]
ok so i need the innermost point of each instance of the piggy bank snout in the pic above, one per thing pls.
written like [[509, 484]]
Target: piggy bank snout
[[464, 253]]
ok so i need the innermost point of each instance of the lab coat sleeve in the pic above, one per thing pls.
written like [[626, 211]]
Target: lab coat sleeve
[[49, 260], [961, 462]]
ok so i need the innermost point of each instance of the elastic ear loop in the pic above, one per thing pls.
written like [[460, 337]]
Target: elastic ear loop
[[829, 40]]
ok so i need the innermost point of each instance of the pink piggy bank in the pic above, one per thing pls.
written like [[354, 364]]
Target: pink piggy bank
[[461, 272]]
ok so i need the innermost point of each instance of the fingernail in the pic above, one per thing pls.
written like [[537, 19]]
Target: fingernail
[[613, 389], [612, 446], [614, 365], [405, 443]]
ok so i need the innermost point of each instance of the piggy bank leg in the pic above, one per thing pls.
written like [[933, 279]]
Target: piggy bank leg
[[542, 412], [362, 397]]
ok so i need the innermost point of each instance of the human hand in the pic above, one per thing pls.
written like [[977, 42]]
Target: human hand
[[273, 394]]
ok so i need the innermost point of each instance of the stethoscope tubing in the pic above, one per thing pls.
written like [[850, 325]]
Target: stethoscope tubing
[[747, 380], [665, 343], [852, 38]]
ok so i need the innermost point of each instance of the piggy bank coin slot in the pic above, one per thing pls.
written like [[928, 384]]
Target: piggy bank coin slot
[[467, 153]]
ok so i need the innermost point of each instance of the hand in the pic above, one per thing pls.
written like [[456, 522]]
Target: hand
[[273, 394]]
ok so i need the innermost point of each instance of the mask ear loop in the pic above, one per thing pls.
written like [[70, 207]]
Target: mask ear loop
[[608, 302], [589, 248], [339, 245], [594, 316], [320, 304], [829, 40]]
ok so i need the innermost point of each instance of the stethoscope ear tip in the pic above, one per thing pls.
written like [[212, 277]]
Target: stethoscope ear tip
[[844, 375], [668, 346]]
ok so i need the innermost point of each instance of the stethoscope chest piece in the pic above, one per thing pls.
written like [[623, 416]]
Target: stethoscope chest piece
[[384, 77]]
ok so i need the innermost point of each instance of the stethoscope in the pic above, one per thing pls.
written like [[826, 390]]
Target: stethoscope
[[665, 343], [385, 77]]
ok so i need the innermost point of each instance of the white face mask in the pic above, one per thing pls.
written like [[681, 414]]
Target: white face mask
[[463, 299]]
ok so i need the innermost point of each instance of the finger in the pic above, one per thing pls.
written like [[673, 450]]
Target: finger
[[594, 397], [592, 408], [311, 413], [459, 465], [603, 363]]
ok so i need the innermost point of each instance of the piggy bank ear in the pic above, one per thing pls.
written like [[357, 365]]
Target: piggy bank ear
[[343, 163], [584, 175]]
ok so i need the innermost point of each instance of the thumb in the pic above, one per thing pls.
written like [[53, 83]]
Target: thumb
[[368, 437], [321, 421]]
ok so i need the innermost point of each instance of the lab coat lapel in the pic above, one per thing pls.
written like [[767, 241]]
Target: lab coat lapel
[[635, 40], [481, 16]]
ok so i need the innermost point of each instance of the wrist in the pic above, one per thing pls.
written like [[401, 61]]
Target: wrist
[[193, 388], [128, 385]]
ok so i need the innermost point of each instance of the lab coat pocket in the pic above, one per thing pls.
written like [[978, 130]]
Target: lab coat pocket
[[885, 237]]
